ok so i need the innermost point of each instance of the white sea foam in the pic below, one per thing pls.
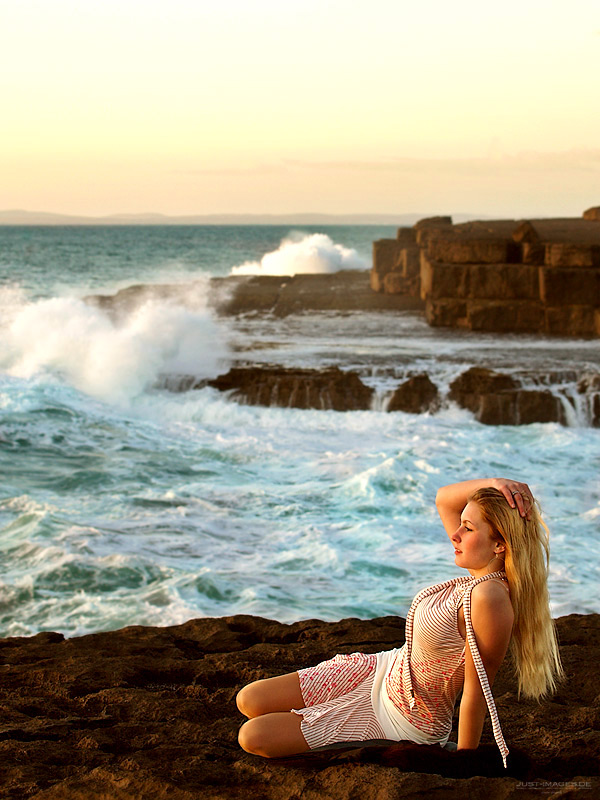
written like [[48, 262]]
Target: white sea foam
[[301, 253], [112, 361]]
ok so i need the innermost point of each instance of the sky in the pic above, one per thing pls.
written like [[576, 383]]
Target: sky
[[287, 106]]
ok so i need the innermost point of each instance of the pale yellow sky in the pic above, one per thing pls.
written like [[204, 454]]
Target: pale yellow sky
[[339, 106]]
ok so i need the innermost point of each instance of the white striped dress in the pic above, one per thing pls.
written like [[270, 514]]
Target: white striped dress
[[424, 680]]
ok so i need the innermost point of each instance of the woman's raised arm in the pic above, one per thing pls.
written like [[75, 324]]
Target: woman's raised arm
[[450, 500]]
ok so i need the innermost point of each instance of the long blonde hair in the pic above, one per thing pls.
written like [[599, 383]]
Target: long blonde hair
[[533, 645]]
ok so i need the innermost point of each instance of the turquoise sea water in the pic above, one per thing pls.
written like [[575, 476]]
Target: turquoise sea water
[[122, 503]]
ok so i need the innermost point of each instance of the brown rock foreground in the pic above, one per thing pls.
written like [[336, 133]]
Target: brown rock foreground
[[149, 713]]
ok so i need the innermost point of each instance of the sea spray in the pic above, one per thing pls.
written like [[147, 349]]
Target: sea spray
[[299, 253], [114, 361]]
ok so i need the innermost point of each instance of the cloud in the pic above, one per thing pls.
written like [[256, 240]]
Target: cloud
[[578, 159]]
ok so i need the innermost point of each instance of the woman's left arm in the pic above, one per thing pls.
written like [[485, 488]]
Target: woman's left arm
[[492, 618]]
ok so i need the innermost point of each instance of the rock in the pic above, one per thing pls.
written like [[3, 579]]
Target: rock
[[432, 222], [501, 275], [407, 237], [507, 281], [497, 399], [467, 389], [566, 254], [457, 250], [386, 260], [443, 280], [296, 388], [396, 283], [346, 290], [446, 312], [430, 227], [416, 395], [582, 320], [246, 294], [581, 286], [563, 230], [504, 316], [150, 713], [589, 388], [592, 214]]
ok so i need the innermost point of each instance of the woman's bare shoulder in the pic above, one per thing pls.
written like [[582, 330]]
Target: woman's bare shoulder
[[491, 609]]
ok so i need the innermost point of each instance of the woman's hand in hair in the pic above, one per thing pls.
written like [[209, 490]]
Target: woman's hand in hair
[[518, 495]]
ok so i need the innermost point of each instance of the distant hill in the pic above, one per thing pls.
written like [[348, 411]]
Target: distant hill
[[21, 217]]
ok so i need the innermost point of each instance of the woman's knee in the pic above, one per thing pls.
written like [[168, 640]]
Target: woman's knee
[[273, 735], [250, 700], [251, 738]]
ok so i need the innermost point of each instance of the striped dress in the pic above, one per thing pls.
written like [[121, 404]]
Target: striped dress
[[422, 679]]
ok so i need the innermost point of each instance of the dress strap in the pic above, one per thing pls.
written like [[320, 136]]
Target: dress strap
[[482, 674]]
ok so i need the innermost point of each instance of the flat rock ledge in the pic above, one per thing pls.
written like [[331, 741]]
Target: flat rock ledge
[[280, 295], [149, 713]]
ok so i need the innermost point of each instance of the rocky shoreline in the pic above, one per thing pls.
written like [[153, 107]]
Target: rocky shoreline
[[564, 396], [494, 398], [149, 712]]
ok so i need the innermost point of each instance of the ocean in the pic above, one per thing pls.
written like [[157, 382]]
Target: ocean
[[122, 503]]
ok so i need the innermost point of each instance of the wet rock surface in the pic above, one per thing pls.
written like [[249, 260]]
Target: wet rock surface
[[498, 399], [296, 388], [416, 395], [280, 295], [150, 712], [495, 398]]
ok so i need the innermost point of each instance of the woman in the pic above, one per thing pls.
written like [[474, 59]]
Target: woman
[[457, 634]]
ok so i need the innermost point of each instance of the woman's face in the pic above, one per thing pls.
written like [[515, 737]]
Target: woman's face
[[474, 547]]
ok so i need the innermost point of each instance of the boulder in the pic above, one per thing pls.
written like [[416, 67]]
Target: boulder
[[589, 387], [295, 388], [467, 388], [498, 399], [416, 395]]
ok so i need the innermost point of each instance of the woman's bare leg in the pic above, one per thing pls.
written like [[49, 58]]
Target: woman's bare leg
[[273, 735], [272, 694]]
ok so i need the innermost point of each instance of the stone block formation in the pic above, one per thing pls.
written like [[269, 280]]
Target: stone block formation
[[531, 276]]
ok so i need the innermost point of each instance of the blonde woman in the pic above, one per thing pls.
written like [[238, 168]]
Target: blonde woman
[[457, 634]]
